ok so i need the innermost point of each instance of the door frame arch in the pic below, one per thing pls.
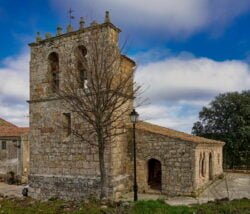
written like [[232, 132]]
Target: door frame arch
[[154, 169]]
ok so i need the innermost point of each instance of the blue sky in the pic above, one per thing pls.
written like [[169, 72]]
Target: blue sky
[[187, 51]]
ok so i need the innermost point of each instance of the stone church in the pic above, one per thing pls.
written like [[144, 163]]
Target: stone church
[[169, 162]]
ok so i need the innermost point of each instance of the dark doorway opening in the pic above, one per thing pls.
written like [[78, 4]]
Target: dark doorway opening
[[10, 178], [154, 174]]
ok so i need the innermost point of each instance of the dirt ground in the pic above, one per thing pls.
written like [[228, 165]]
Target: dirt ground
[[233, 186], [11, 190]]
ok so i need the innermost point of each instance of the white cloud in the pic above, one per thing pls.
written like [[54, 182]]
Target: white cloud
[[14, 77], [180, 79], [178, 87], [168, 115], [172, 18], [14, 89], [16, 114]]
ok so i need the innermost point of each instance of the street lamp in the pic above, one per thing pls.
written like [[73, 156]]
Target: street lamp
[[134, 118]]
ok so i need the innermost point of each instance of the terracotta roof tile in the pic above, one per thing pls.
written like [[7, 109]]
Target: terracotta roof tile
[[10, 130], [173, 133]]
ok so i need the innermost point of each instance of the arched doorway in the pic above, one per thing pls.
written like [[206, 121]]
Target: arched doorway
[[210, 167], [154, 174]]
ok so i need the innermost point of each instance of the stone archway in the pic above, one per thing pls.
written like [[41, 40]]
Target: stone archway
[[210, 167], [154, 174]]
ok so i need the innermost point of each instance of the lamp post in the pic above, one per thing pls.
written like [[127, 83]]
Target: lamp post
[[134, 118]]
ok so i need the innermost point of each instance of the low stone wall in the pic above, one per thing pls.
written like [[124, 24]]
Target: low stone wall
[[64, 187]]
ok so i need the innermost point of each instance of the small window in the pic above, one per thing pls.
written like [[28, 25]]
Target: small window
[[218, 158], [82, 51], [4, 145], [67, 124]]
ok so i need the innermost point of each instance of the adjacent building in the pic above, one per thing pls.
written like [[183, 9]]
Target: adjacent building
[[175, 163], [14, 151]]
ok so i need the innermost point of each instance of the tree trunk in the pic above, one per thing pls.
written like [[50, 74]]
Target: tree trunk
[[102, 166]]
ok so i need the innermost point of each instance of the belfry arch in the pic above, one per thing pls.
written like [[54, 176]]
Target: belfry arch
[[80, 53], [54, 70]]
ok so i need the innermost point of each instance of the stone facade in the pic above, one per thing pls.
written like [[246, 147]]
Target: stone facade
[[212, 156], [9, 156], [14, 151], [179, 157], [62, 166]]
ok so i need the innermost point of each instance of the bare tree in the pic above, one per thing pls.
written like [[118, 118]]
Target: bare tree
[[99, 88]]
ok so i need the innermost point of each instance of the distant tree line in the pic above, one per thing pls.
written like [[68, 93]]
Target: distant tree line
[[227, 118]]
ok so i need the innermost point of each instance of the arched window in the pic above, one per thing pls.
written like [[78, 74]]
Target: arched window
[[81, 53], [54, 71], [211, 166], [203, 165], [200, 164]]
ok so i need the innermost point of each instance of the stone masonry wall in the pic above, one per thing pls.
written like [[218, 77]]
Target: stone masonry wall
[[120, 160], [61, 166], [213, 162], [120, 166], [177, 162], [56, 158], [66, 187], [25, 157]]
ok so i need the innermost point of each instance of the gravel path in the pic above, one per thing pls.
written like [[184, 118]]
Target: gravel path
[[233, 186]]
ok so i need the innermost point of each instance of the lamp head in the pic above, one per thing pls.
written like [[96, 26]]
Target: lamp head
[[134, 116]]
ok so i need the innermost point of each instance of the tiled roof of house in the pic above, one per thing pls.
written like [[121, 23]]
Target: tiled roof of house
[[8, 129], [173, 133]]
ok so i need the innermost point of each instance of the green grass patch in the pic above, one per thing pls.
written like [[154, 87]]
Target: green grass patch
[[30, 206], [159, 207], [241, 206]]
